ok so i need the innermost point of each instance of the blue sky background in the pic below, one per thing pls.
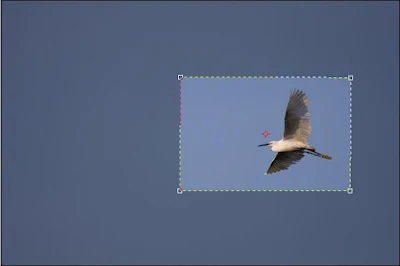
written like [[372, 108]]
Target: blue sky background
[[222, 121], [90, 119]]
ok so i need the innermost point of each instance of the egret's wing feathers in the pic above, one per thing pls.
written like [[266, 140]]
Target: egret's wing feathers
[[283, 160], [297, 117]]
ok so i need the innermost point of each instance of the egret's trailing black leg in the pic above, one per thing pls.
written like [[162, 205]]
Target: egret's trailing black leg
[[312, 153], [319, 154]]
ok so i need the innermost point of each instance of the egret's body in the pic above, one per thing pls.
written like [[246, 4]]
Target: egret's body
[[288, 145], [291, 148]]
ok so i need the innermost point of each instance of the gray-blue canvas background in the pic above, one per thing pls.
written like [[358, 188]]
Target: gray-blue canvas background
[[90, 106], [222, 121]]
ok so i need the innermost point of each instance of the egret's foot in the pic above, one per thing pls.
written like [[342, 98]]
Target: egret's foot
[[326, 157]]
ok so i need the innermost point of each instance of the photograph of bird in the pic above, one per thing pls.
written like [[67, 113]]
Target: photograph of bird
[[292, 147]]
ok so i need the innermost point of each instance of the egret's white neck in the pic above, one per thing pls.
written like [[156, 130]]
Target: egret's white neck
[[276, 145]]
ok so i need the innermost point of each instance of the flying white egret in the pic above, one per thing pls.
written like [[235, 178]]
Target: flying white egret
[[293, 145]]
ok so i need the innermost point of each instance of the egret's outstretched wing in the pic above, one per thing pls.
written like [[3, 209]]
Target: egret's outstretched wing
[[283, 160], [297, 117]]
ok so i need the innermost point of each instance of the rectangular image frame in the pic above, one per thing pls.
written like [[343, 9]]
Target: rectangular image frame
[[180, 189]]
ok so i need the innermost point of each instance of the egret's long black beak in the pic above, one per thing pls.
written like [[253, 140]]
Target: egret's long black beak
[[266, 144]]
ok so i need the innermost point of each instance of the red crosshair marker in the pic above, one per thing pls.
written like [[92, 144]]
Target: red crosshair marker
[[265, 133]]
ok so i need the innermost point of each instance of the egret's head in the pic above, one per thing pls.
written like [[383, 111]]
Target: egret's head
[[266, 144]]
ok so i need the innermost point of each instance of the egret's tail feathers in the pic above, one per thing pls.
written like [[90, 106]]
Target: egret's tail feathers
[[326, 156], [311, 148]]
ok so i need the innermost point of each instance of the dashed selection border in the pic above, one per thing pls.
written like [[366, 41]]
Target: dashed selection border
[[180, 190]]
